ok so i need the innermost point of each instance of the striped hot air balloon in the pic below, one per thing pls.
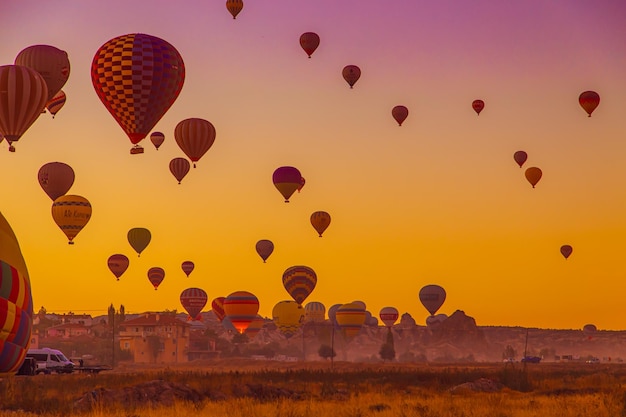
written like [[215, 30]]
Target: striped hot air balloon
[[287, 180], [315, 312], [350, 318], [299, 281], [194, 137], [241, 307], [217, 305], [118, 264], [255, 327], [71, 213], [288, 316], [320, 220], [157, 139], [388, 315], [56, 103], [179, 167], [16, 304], [234, 7], [52, 63], [193, 300], [153, 76], [156, 276]]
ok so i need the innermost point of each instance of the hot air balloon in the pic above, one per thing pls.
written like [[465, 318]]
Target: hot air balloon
[[254, 327], [478, 106], [320, 221], [155, 276], [589, 330], [241, 307], [350, 318], [139, 238], [351, 73], [193, 300], [388, 315], [299, 281], [566, 251], [234, 7], [217, 305], [194, 137], [589, 100], [55, 178], [288, 315], [302, 182], [52, 63], [533, 175], [23, 98], [432, 297], [179, 167], [157, 139], [153, 76], [16, 303], [435, 320], [118, 264], [520, 157], [287, 180], [187, 267], [264, 248], [309, 41], [400, 113], [332, 313], [71, 213], [56, 103], [314, 312]]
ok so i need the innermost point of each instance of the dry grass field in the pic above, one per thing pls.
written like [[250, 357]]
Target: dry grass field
[[278, 389]]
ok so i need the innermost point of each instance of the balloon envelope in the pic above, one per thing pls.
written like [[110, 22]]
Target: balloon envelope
[[287, 180], [56, 103], [520, 157], [566, 251], [589, 100], [309, 41], [194, 137], [52, 63], [288, 315], [478, 106], [139, 238], [299, 281], [234, 7], [350, 318], [351, 73], [388, 315], [156, 276], [314, 311], [118, 264], [16, 303], [320, 221], [217, 305], [264, 248], [71, 213], [533, 175], [157, 139], [179, 167], [55, 178], [241, 307], [153, 76], [400, 113], [432, 297], [187, 267], [254, 327], [193, 300]]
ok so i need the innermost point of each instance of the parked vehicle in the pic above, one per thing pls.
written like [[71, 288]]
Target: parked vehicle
[[50, 360], [29, 366]]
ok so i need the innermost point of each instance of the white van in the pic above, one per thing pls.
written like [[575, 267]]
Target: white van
[[50, 360]]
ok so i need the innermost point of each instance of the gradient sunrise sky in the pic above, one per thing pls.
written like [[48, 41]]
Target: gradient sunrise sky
[[439, 200]]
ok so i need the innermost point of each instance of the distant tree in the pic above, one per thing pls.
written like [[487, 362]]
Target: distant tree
[[111, 313], [121, 316], [42, 311], [509, 353], [154, 346], [387, 350], [326, 352]]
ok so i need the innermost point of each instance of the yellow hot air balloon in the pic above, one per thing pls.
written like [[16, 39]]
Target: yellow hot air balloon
[[139, 238], [16, 303], [71, 213], [320, 221], [533, 175], [52, 63], [288, 315], [350, 318]]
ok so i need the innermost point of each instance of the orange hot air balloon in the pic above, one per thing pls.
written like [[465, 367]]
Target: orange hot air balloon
[[217, 305], [478, 106], [55, 178], [400, 113], [264, 248], [56, 103], [187, 267], [299, 281], [241, 307], [137, 77], [156, 276], [194, 137], [520, 157], [179, 167], [320, 221], [309, 41], [71, 213], [432, 297], [350, 318], [589, 100], [157, 139], [23, 96], [533, 175], [139, 238], [566, 251], [287, 180], [234, 7], [193, 300], [52, 63], [351, 73], [118, 264]]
